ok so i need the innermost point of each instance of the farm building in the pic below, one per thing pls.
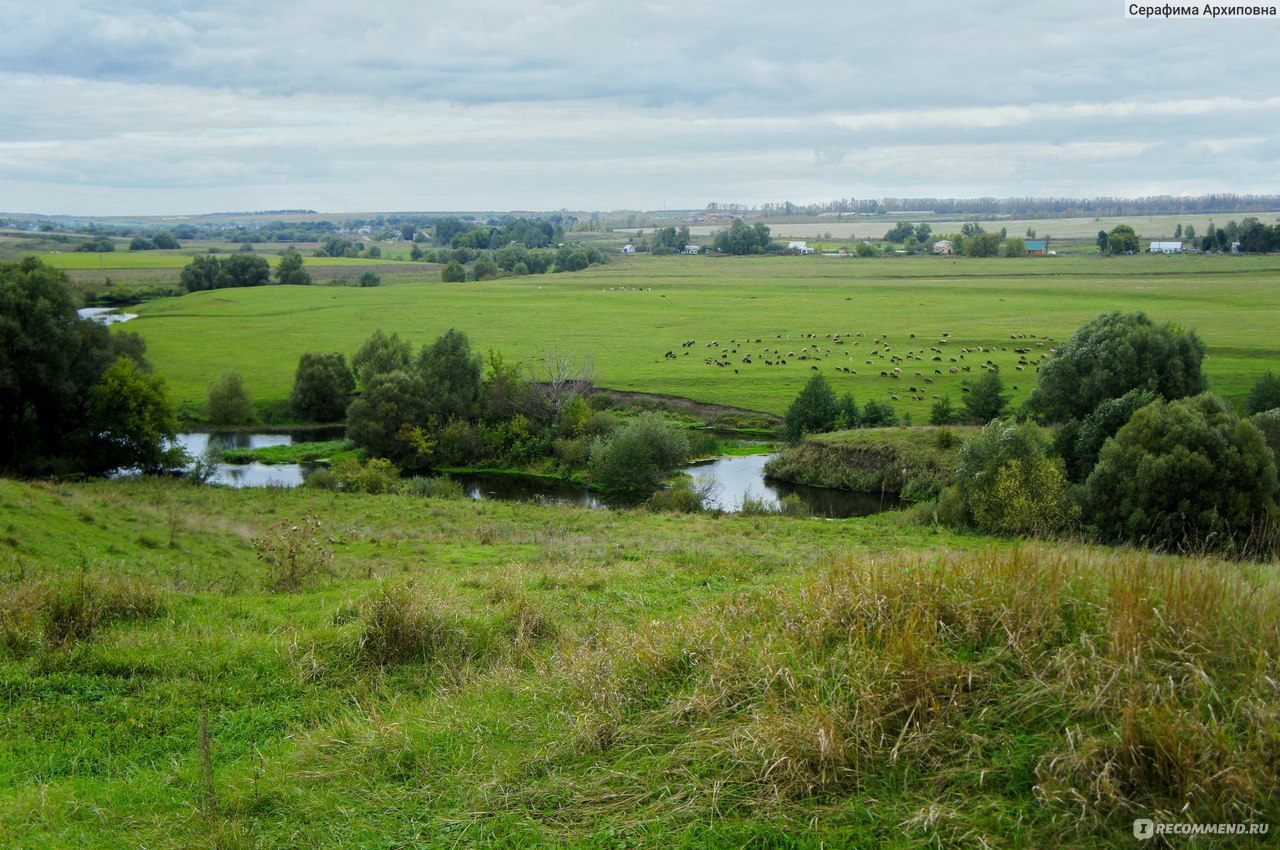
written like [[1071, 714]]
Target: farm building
[[628, 249], [799, 247], [692, 249], [944, 246], [1037, 246], [1165, 248]]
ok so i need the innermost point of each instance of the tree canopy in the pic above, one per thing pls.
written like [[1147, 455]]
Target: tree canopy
[[65, 404], [1110, 356]]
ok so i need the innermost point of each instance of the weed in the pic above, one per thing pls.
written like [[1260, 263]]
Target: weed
[[293, 552]]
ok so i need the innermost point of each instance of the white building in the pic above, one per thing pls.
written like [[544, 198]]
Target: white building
[[692, 249], [628, 249], [799, 247], [944, 246], [1165, 248]]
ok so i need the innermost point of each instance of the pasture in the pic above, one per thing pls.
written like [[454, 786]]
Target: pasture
[[634, 317]]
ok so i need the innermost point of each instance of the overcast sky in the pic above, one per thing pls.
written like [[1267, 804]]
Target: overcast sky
[[180, 106]]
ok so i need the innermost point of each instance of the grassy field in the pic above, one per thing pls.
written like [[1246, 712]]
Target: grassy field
[[502, 675], [627, 315]]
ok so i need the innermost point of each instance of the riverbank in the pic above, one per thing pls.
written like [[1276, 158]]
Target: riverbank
[[506, 674], [913, 463]]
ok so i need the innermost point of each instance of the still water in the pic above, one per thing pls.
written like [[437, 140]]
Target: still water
[[729, 479], [105, 315]]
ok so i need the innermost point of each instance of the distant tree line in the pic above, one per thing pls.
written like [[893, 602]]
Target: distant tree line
[[1026, 207]]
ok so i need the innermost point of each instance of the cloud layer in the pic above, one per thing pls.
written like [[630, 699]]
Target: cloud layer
[[168, 107]]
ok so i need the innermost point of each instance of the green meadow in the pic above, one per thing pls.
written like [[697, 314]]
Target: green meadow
[[459, 674], [624, 317]]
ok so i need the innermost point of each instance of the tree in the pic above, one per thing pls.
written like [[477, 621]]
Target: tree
[[241, 270], [1190, 232], [370, 278], [1265, 394], [1102, 240], [381, 354], [141, 243], [1122, 240], [289, 272], [416, 253], [1015, 247], [629, 467], [452, 378], [453, 272], [878, 414], [165, 240], [201, 273], [742, 238], [57, 413], [1183, 473], [1110, 356], [486, 268], [228, 401], [983, 245], [943, 412], [382, 419], [322, 387], [132, 421], [1079, 443], [923, 232], [985, 400], [900, 231], [1007, 481], [814, 410]]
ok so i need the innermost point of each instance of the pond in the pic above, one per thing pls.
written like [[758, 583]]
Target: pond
[[105, 315], [730, 479]]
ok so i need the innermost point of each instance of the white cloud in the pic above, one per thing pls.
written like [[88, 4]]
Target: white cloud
[[181, 107]]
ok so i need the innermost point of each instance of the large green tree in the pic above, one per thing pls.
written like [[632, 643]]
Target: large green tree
[[380, 354], [1122, 240], [59, 410], [1181, 474], [1110, 356], [322, 387], [452, 377], [814, 411], [985, 399]]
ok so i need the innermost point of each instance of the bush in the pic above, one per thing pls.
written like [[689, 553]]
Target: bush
[[630, 465], [1008, 483], [1112, 355], [878, 414], [322, 387], [453, 272], [228, 401], [1268, 422], [289, 272], [1079, 443], [1183, 474], [400, 627], [381, 354], [439, 487], [370, 278], [294, 553], [377, 475], [685, 496]]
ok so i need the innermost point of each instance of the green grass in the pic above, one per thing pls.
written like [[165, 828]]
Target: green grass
[[489, 674], [627, 315], [331, 450]]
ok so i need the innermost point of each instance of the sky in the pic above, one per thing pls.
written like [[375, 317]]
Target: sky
[[174, 107]]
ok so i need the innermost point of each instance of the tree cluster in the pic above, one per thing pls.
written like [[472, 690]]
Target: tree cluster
[[74, 397], [238, 270], [741, 238]]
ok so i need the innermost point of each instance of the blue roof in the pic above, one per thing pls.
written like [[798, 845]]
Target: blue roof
[[1035, 244]]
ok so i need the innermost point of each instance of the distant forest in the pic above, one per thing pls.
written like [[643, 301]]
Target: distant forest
[[1024, 207]]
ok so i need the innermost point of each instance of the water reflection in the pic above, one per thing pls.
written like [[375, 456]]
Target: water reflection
[[105, 315], [735, 478], [248, 474]]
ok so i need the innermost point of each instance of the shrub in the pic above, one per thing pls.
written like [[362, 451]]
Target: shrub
[[943, 412], [1112, 355], [685, 496], [878, 414], [1268, 422], [453, 272], [370, 278], [628, 467], [1008, 483], [228, 401], [322, 387], [289, 271], [74, 609], [294, 553], [1181, 474]]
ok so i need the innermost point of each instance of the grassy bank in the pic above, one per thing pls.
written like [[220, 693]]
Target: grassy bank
[[913, 462], [489, 674]]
